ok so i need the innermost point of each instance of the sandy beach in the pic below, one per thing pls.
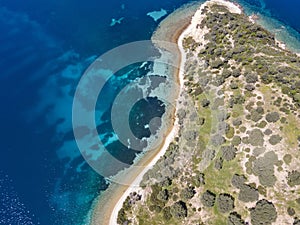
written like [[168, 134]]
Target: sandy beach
[[106, 207], [172, 29]]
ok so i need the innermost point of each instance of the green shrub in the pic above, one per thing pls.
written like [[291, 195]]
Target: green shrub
[[287, 159], [208, 199], [216, 63], [235, 219], [248, 193], [275, 139], [225, 203], [256, 137], [238, 180], [230, 132], [236, 140], [236, 72], [291, 211], [199, 179], [251, 78], [272, 117], [179, 210], [166, 213], [237, 122], [187, 193], [228, 152], [205, 102], [163, 195], [217, 139], [219, 163], [293, 178], [263, 213], [262, 124]]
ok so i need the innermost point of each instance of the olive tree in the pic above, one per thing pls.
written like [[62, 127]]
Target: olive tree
[[179, 210], [225, 202], [263, 213], [208, 198]]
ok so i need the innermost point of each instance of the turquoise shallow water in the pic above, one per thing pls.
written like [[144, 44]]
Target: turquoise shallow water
[[45, 48]]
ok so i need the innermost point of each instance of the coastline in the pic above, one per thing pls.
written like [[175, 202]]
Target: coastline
[[111, 201], [106, 206]]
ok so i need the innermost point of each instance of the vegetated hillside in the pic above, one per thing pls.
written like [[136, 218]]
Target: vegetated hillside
[[236, 158]]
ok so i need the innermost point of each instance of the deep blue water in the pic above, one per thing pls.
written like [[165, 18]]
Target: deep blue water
[[45, 46]]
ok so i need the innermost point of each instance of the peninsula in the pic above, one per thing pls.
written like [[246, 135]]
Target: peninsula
[[232, 155]]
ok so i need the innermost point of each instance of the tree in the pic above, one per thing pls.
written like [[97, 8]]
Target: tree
[[219, 163], [293, 178], [216, 64], [263, 213], [208, 198], [251, 78], [248, 193], [256, 137], [235, 219], [163, 195], [236, 72], [272, 117], [179, 210], [187, 193], [228, 152], [225, 203], [205, 102], [238, 180], [166, 213], [217, 139]]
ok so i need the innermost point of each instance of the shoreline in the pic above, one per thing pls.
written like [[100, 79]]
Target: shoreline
[[111, 201], [106, 207]]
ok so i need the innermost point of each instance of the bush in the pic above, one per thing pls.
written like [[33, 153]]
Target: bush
[[291, 211], [199, 179], [272, 117], [235, 219], [226, 73], [219, 163], [268, 132], [256, 137], [179, 210], [249, 87], [275, 139], [122, 219], [236, 72], [263, 213], [166, 213], [251, 78], [248, 193], [237, 122], [256, 115], [217, 139], [225, 203], [236, 140], [293, 178], [234, 85], [187, 193], [263, 167], [208, 199], [238, 180], [296, 221], [205, 102], [163, 195], [216, 63], [228, 152], [230, 132]]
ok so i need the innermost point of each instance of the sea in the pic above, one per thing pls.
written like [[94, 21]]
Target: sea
[[46, 46]]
